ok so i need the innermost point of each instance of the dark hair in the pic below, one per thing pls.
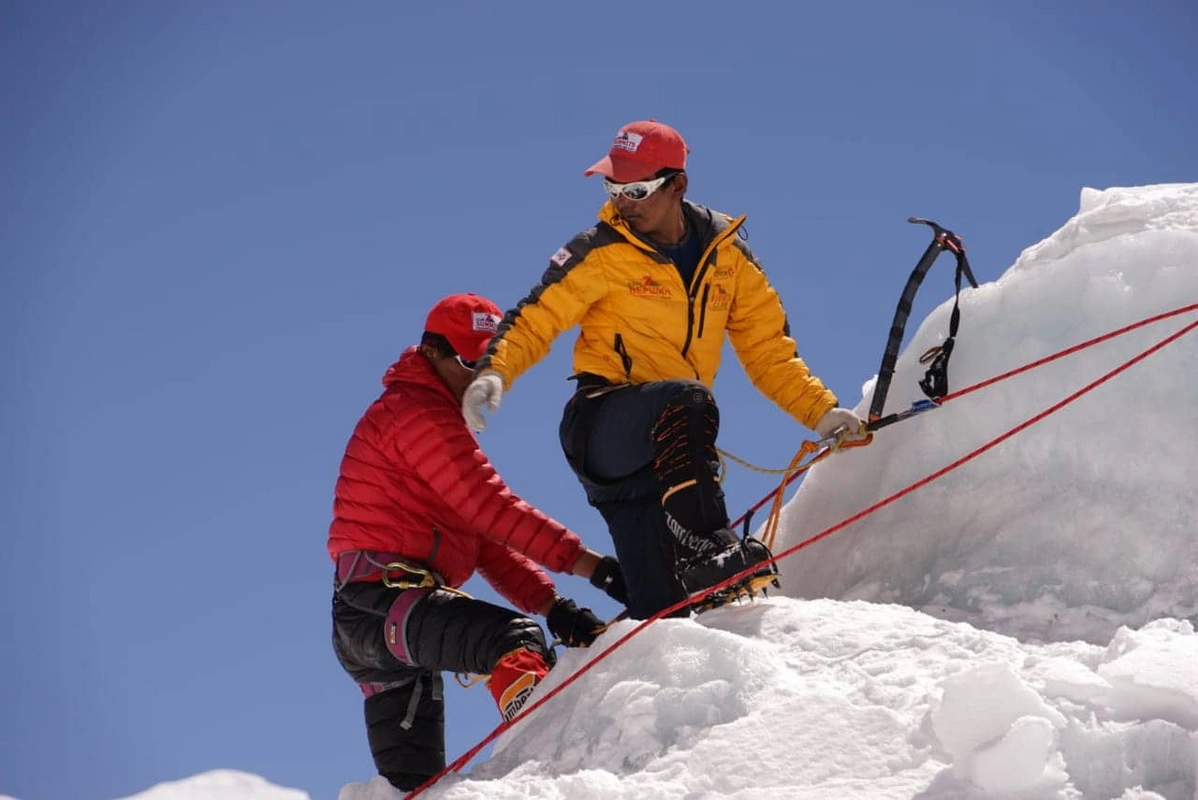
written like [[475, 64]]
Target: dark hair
[[438, 343]]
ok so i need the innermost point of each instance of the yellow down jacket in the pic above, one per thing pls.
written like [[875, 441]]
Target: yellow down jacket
[[639, 323]]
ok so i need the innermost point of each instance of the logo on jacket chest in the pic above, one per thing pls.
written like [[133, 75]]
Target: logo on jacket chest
[[721, 298], [648, 287]]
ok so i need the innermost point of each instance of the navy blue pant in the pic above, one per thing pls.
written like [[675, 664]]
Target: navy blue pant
[[607, 439]]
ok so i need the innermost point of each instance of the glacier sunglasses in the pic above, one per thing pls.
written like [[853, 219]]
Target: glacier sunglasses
[[470, 365], [635, 190]]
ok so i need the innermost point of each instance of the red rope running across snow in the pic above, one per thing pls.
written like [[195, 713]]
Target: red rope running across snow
[[466, 757]]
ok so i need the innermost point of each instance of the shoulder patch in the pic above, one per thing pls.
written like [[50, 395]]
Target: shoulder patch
[[561, 256], [578, 248]]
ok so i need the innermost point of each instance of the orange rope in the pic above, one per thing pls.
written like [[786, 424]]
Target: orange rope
[[770, 533], [793, 471]]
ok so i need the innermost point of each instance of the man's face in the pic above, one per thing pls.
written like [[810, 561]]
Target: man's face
[[452, 372], [656, 211]]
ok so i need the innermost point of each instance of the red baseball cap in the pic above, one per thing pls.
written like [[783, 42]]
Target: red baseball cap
[[641, 149], [467, 321]]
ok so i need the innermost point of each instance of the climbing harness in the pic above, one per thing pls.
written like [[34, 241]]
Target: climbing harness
[[388, 568]]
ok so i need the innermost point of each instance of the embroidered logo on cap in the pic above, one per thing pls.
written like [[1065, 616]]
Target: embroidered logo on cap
[[627, 141], [484, 322]]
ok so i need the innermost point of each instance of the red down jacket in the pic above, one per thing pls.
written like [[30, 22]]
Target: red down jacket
[[414, 482]]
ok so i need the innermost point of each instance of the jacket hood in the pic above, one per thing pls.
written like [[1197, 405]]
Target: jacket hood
[[414, 369]]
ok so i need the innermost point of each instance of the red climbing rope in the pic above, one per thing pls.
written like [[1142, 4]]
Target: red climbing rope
[[466, 757]]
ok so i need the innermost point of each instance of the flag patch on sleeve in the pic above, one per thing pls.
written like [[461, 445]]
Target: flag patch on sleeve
[[561, 256]]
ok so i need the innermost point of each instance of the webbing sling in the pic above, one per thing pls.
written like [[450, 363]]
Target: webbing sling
[[935, 382]]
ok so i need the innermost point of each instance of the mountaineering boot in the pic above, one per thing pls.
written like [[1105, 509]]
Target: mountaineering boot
[[515, 676], [698, 574], [686, 465]]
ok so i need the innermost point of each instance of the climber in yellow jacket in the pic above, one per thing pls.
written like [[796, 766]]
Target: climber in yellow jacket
[[654, 288]]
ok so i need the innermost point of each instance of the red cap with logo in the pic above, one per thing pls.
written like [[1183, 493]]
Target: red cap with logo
[[467, 321], [641, 149]]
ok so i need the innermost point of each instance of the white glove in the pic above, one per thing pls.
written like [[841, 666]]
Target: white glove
[[835, 419], [486, 390]]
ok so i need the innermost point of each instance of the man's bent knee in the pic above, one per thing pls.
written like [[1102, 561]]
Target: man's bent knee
[[520, 633]]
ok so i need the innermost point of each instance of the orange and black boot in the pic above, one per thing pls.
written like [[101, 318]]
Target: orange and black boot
[[515, 676]]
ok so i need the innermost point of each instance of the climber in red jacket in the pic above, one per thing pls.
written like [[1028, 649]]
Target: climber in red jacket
[[418, 509]]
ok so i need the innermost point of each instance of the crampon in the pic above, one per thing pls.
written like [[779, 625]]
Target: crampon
[[745, 589]]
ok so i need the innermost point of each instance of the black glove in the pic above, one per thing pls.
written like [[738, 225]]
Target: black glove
[[573, 626], [609, 578]]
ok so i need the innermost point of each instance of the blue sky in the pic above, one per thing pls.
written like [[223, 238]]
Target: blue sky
[[219, 225]]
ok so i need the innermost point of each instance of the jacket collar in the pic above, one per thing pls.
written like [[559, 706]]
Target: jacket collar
[[413, 369], [705, 223]]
